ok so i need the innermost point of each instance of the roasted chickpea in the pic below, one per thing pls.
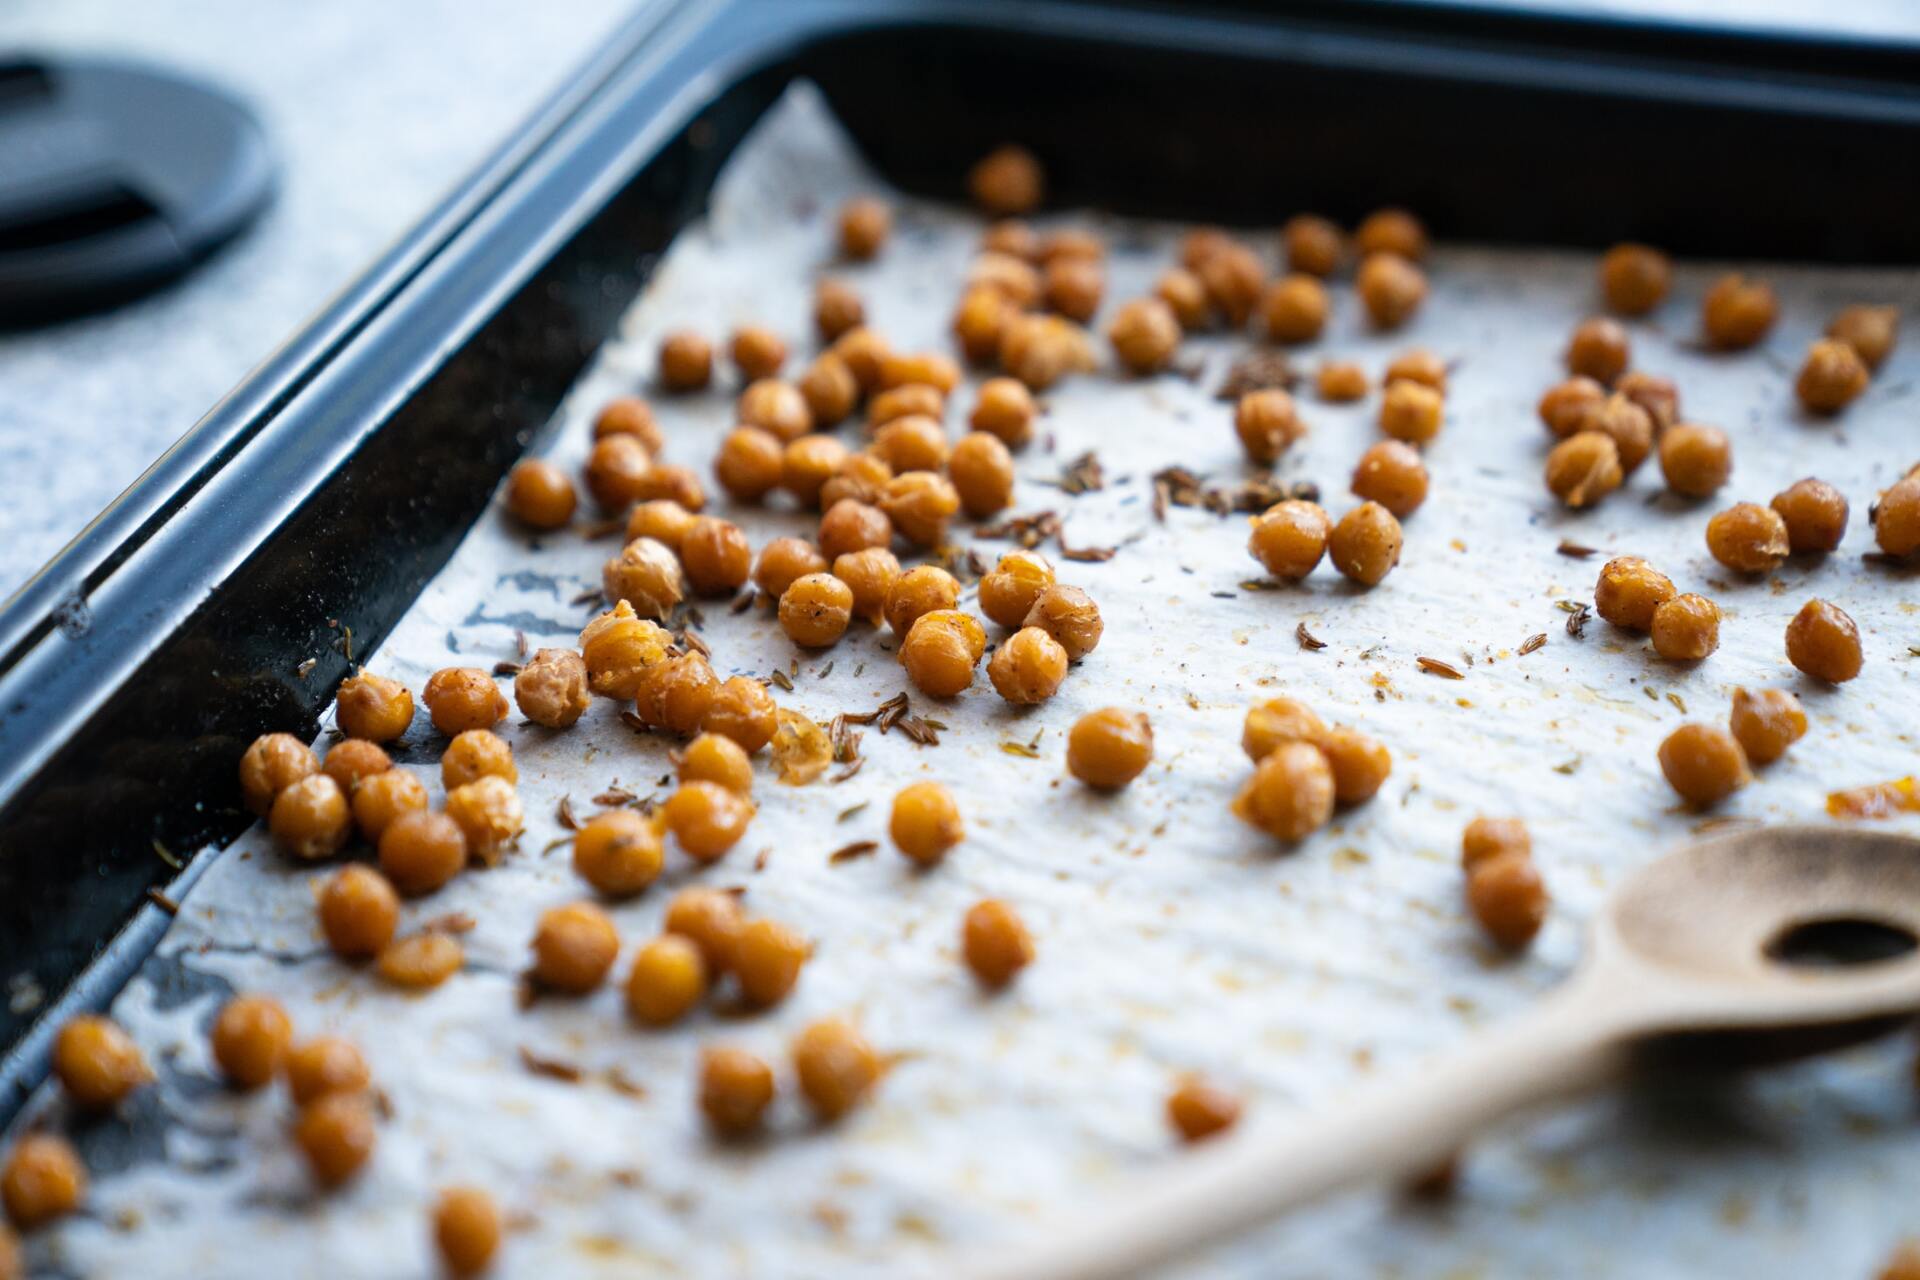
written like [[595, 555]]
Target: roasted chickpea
[[850, 526], [1289, 538], [1312, 245], [667, 979], [336, 1134], [272, 763], [1815, 514], [1737, 312], [1109, 748], [1295, 308], [310, 819], [1071, 244], [366, 706], [1823, 642], [324, 1065], [1748, 537], [1508, 898], [1392, 474], [1040, 350], [1766, 723], [741, 709], [1197, 1110], [359, 911], [835, 1066], [940, 651], [830, 390], [870, 575], [1896, 517], [1695, 459], [539, 495], [1627, 424], [97, 1062], [1028, 668], [476, 754], [632, 416], [617, 470], [711, 920], [1365, 544], [574, 947], [1360, 764], [646, 575], [1072, 287], [815, 610], [1145, 334], [1487, 838], [1629, 590], [1185, 296], [1234, 279], [43, 1180], [716, 556], [1202, 243], [1391, 230], [661, 519], [1278, 721], [1634, 278], [1704, 763], [1868, 330], [925, 822], [618, 852], [735, 1090], [920, 504], [489, 814], [910, 400], [1565, 407], [1657, 397], [1267, 424], [748, 464], [807, 464], [1418, 364], [421, 851], [1391, 289], [551, 689], [421, 962], [757, 352], [249, 1039], [1010, 276], [981, 319], [618, 648], [1832, 378], [863, 350], [1290, 794], [466, 1230], [686, 362], [767, 958], [1686, 628], [1598, 350], [919, 591], [1412, 412], [1012, 237], [1340, 382], [1070, 616], [1007, 181], [981, 470], [1008, 591], [865, 224], [775, 406], [674, 695], [913, 442], [462, 698], [784, 561], [12, 1265], [922, 368], [1584, 468], [675, 484], [995, 942]]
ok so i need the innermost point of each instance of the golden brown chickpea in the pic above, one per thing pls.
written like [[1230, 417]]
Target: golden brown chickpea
[[249, 1039], [1686, 628], [1072, 287], [1145, 334], [775, 406], [757, 352], [1197, 1110], [741, 709], [372, 707], [1704, 763], [1766, 723], [476, 754], [1584, 468], [618, 647], [1365, 544], [661, 519], [716, 556], [466, 1230], [272, 763], [1202, 243], [1294, 308], [421, 851], [1012, 237], [463, 698], [421, 962], [616, 471], [97, 1063], [359, 911], [1312, 245], [1737, 312], [1234, 279], [646, 575], [1629, 590], [925, 822], [1508, 898], [808, 464], [1391, 230], [735, 1090], [632, 416], [1267, 424], [981, 470], [1007, 592], [539, 495], [1071, 243], [1823, 642], [490, 816], [12, 1265], [835, 1066], [1006, 181], [815, 610], [1832, 378], [767, 958], [1070, 616], [920, 504], [574, 947], [310, 819], [1289, 538], [870, 575], [1896, 517], [910, 400], [863, 350], [1815, 513], [1412, 412], [1748, 537], [674, 484], [995, 942], [1185, 296], [1599, 350], [1565, 407], [1360, 764], [1391, 289], [618, 852], [336, 1134], [1040, 350], [1634, 278], [1418, 364], [1290, 794], [353, 761], [1010, 276], [980, 320], [921, 368], [748, 464], [1278, 721], [324, 1065], [913, 442], [1627, 424], [865, 224], [1695, 459], [686, 362], [1392, 474], [1028, 668], [1868, 330], [830, 390], [667, 979], [551, 689], [1487, 838], [784, 561], [675, 695], [1109, 748], [711, 920], [43, 1181], [850, 526], [1657, 397], [940, 651], [1341, 382]]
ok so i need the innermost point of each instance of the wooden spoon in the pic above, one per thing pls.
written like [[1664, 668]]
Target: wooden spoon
[[1706, 955]]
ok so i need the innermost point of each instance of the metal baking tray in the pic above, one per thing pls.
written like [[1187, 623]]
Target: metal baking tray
[[227, 592]]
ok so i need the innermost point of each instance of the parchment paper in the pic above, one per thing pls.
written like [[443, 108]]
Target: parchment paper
[[1171, 938]]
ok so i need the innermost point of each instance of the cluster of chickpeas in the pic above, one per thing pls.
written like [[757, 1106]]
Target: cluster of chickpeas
[[1303, 768], [1635, 596], [1504, 888], [1705, 763]]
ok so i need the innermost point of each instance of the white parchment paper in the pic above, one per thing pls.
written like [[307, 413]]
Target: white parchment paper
[[1171, 938]]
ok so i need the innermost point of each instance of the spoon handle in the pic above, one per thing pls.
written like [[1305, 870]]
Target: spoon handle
[[1394, 1128]]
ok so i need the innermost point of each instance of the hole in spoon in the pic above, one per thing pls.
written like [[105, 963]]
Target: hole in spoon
[[1836, 944]]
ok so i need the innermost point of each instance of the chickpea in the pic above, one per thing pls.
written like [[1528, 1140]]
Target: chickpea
[[1007, 181], [676, 694], [870, 575], [1391, 230], [539, 495], [1185, 296], [272, 763], [1234, 279], [475, 754], [336, 1135], [850, 526], [1598, 350], [1341, 382], [836, 1067], [1487, 838], [924, 368], [1584, 468], [667, 979], [1823, 642], [981, 319], [466, 1230], [1634, 278], [741, 709], [249, 1039], [551, 689], [359, 911], [940, 651], [618, 648], [815, 610], [662, 519], [1010, 276], [632, 416], [1418, 364], [1360, 764], [1815, 514], [1289, 538], [372, 707], [807, 464], [1766, 723], [1748, 537], [1007, 592], [1629, 590], [775, 406], [735, 1090], [1028, 668], [1832, 378], [909, 400], [1704, 763], [716, 556], [1145, 334], [1686, 628], [1278, 721], [1365, 544], [1072, 287], [1868, 330], [1695, 459], [1737, 312], [421, 851], [837, 309], [1197, 1110], [1896, 518], [574, 947], [1312, 245], [1070, 616], [97, 1062], [757, 352], [616, 471], [865, 224], [489, 815], [462, 698], [1267, 424], [919, 504], [749, 463], [1392, 474], [1391, 289], [863, 350], [12, 1265], [1657, 397], [1290, 794], [618, 852], [1109, 748], [1565, 407], [1040, 350], [1295, 308], [710, 919], [995, 942], [324, 1065], [1508, 898], [1011, 237], [830, 390], [911, 443], [1071, 244], [675, 484], [43, 1180], [1412, 412], [1202, 243], [686, 362], [981, 470], [707, 818], [310, 819], [767, 958], [646, 575], [1628, 425], [925, 822], [420, 963], [783, 562]]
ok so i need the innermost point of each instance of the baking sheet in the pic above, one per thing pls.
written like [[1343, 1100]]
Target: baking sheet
[[1171, 938]]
